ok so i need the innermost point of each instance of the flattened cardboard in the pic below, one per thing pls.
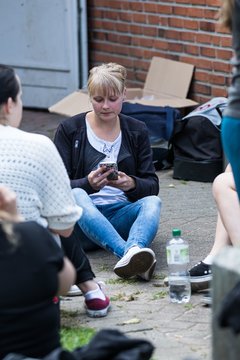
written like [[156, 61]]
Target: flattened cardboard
[[73, 104], [167, 84]]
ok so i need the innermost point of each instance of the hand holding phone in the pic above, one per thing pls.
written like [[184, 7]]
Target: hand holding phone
[[110, 165]]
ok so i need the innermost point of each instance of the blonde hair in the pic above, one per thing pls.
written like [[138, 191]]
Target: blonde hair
[[225, 13], [107, 79]]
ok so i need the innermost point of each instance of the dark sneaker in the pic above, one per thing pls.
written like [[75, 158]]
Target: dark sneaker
[[207, 299], [96, 307], [165, 281], [200, 276]]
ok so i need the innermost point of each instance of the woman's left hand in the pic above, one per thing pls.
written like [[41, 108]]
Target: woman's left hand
[[124, 182]]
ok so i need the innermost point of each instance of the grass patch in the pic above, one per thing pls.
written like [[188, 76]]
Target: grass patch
[[72, 338], [121, 281], [188, 306], [160, 295], [124, 297]]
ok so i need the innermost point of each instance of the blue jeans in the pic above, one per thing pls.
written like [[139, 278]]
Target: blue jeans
[[119, 226], [231, 145]]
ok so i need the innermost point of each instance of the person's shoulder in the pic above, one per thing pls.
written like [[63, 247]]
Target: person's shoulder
[[75, 121], [29, 230], [28, 136], [26, 226]]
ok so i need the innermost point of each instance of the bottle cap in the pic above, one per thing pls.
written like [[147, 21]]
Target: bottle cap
[[176, 232]]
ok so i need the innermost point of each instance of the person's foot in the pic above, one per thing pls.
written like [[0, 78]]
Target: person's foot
[[207, 298], [147, 275], [135, 261], [97, 304], [200, 276], [74, 291]]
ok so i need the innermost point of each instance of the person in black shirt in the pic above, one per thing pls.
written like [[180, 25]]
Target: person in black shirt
[[33, 272]]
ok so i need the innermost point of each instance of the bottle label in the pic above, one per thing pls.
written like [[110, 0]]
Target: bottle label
[[177, 254]]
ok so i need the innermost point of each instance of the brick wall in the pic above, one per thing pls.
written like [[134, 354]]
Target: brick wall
[[131, 32]]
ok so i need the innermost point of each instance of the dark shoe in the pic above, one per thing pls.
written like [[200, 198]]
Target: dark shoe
[[165, 281], [200, 276], [207, 298]]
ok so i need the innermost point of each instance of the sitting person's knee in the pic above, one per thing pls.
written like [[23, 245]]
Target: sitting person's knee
[[223, 182]]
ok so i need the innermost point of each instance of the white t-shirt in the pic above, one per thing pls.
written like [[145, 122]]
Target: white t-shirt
[[31, 166], [107, 194]]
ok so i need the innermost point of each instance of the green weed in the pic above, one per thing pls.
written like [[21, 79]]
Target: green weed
[[72, 338]]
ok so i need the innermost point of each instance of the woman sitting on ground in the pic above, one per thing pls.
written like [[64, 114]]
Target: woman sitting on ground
[[120, 215], [30, 165], [33, 272]]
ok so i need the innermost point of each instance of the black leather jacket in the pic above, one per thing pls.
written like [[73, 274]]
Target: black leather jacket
[[135, 155]]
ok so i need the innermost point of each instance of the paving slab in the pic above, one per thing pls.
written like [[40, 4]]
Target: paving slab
[[142, 309]]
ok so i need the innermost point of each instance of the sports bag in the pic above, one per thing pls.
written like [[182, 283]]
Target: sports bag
[[197, 146], [160, 123]]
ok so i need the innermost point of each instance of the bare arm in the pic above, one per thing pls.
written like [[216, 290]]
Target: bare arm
[[66, 277]]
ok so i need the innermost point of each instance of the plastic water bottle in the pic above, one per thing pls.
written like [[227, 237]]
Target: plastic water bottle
[[178, 275]]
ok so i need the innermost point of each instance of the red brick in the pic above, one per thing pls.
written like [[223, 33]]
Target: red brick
[[208, 52], [207, 26], [191, 49], [139, 18], [131, 32], [153, 19], [217, 91]]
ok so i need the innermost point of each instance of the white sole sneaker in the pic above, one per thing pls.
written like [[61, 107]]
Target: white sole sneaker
[[135, 262], [74, 291], [147, 275]]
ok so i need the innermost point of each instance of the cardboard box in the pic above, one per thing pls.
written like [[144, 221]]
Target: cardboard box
[[73, 104], [167, 84]]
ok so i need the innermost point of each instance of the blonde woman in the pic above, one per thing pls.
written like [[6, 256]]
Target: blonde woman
[[120, 215]]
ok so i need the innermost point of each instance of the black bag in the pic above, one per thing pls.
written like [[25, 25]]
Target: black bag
[[107, 344], [197, 147], [160, 123]]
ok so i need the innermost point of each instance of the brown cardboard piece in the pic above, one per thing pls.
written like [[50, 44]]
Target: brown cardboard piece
[[167, 84]]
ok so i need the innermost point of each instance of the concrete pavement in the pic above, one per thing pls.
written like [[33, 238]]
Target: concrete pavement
[[142, 309]]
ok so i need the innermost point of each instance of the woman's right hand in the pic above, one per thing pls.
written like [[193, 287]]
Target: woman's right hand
[[98, 178]]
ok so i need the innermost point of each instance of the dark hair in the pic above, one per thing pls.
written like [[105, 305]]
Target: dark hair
[[9, 86]]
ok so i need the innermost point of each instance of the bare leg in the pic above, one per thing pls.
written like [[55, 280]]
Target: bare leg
[[88, 285], [221, 238], [227, 229], [228, 225]]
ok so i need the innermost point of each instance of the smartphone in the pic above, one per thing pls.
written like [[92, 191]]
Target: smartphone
[[109, 165]]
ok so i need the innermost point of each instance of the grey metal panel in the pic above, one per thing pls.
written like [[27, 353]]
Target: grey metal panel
[[39, 38]]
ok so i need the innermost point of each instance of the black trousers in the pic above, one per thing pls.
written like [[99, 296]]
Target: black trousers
[[73, 250]]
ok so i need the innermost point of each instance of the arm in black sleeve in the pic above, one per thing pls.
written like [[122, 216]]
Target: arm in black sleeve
[[146, 180]]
